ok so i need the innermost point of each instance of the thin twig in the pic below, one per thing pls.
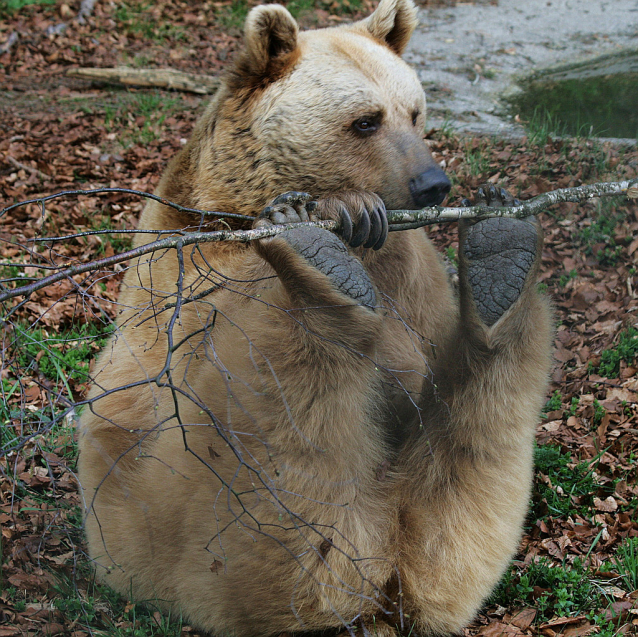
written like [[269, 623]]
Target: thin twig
[[125, 191]]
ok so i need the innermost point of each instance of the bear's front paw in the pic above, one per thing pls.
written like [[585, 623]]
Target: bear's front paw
[[361, 215], [498, 254], [320, 248]]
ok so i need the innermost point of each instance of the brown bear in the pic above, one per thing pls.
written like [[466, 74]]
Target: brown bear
[[315, 431]]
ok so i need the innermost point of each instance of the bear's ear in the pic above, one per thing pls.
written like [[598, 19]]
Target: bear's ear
[[270, 36], [393, 22]]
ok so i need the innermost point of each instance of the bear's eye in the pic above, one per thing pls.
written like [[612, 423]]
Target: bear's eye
[[415, 116], [367, 125]]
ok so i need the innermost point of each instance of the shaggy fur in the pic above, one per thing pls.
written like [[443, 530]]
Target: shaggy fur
[[282, 458]]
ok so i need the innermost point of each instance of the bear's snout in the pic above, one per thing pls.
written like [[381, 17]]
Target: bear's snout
[[430, 187]]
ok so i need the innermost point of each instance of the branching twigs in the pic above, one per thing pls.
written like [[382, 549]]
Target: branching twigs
[[125, 191], [399, 220]]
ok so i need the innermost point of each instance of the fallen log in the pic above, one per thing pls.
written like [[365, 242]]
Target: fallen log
[[158, 78]]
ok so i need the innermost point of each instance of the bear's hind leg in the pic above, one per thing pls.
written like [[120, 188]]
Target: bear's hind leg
[[468, 473]]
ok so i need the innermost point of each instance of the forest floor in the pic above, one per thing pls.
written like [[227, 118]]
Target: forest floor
[[576, 572]]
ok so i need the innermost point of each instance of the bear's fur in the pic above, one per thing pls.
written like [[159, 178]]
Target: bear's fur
[[261, 452]]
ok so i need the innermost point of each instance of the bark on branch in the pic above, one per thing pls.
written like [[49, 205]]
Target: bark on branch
[[398, 220], [406, 219], [159, 78]]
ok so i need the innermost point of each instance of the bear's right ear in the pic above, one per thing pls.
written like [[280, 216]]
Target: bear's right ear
[[392, 22], [270, 36]]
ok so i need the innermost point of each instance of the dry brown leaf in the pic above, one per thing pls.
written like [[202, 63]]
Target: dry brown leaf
[[497, 629], [607, 505], [552, 425], [524, 618], [580, 631]]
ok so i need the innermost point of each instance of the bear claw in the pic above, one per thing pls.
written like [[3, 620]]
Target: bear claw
[[289, 207], [362, 217]]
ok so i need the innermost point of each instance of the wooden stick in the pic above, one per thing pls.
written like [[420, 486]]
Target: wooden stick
[[29, 169]]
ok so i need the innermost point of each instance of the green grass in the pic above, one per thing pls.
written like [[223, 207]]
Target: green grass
[[566, 482], [10, 7], [567, 590], [234, 15], [299, 7], [566, 278], [451, 254], [61, 357], [476, 159], [554, 403], [625, 563], [626, 350], [12, 276], [599, 413], [120, 243], [561, 590], [601, 231], [540, 128], [573, 407], [135, 18], [122, 116], [99, 608]]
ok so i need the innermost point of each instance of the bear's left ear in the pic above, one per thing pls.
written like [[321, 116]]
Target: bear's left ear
[[270, 35], [393, 22]]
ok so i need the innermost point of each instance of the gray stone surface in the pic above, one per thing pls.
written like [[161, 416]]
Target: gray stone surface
[[510, 39]]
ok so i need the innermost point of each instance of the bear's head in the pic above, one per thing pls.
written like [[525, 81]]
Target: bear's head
[[324, 111]]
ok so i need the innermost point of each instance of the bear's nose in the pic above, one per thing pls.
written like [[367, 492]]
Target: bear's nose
[[430, 187]]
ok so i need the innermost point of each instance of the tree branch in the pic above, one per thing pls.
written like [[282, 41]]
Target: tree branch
[[399, 220], [406, 219]]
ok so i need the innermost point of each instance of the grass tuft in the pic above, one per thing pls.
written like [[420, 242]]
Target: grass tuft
[[626, 350], [564, 483]]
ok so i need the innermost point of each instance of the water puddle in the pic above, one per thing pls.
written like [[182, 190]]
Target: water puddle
[[594, 98]]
